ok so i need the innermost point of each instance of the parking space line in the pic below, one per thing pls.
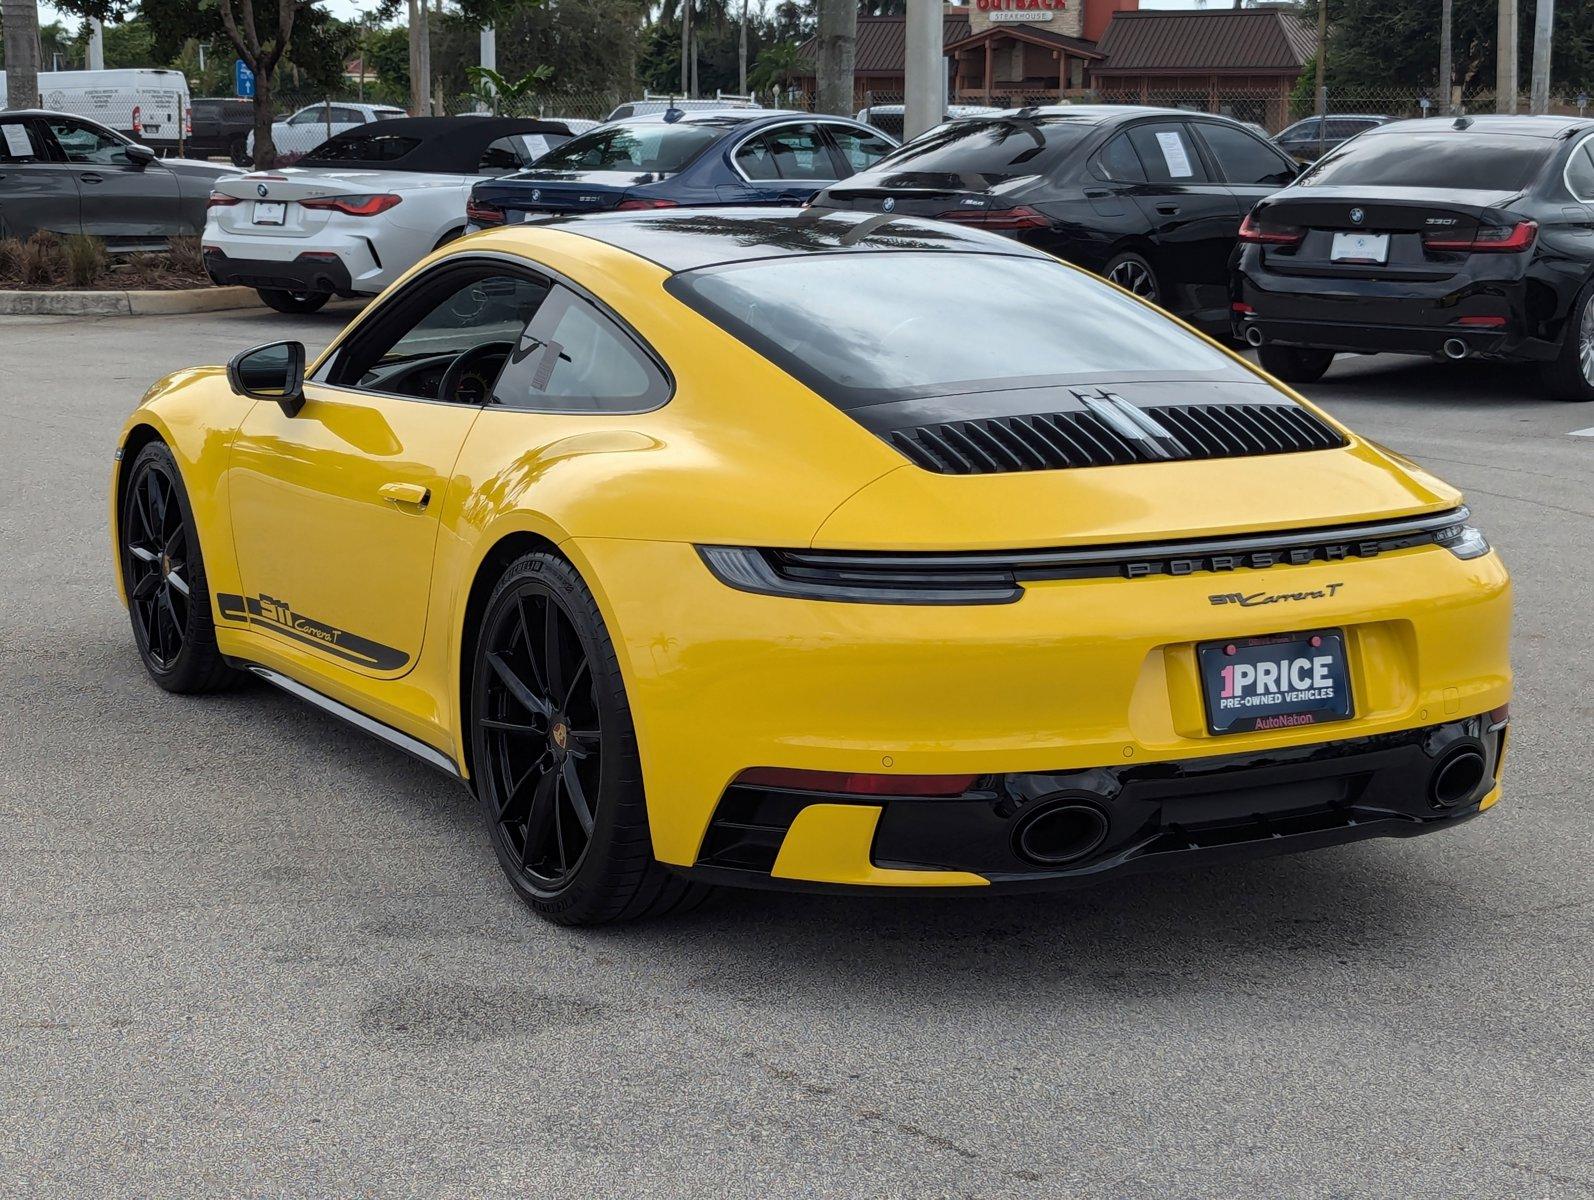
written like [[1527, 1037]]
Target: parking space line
[[1589, 432]]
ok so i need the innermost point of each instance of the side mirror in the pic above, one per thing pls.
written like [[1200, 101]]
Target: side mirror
[[274, 372], [138, 157]]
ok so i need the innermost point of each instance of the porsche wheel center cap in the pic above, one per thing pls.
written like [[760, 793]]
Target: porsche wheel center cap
[[560, 733]]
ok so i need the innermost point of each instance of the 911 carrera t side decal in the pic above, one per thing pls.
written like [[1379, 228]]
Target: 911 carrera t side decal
[[279, 617]]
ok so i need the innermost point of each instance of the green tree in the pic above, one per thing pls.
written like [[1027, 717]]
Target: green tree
[[496, 93]]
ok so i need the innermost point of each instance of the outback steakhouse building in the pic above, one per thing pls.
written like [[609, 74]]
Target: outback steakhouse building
[[1241, 62]]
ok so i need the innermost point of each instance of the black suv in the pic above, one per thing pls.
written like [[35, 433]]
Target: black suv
[[1150, 198]]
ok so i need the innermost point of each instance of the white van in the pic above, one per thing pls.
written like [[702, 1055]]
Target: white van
[[149, 105]]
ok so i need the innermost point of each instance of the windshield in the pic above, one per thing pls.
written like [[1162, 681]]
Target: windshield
[[992, 148], [660, 148], [874, 327], [1456, 159]]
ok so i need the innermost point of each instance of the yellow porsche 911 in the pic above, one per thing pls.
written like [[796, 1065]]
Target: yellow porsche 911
[[820, 550]]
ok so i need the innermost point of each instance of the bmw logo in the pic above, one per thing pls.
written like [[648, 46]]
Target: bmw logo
[[889, 204], [1357, 216], [536, 193], [262, 189]]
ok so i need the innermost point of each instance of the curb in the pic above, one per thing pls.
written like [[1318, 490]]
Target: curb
[[126, 304]]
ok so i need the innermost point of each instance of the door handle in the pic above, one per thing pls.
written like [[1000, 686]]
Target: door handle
[[92, 178], [405, 493], [1167, 210]]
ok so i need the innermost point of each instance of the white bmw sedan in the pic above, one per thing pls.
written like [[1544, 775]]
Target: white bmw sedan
[[362, 207]]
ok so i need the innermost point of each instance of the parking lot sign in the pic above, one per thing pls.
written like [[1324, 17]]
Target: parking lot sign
[[243, 79]]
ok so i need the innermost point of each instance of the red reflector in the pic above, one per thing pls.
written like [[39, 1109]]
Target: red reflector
[[636, 204], [1021, 217], [1484, 322], [483, 213], [1241, 308], [858, 785], [1489, 239], [355, 206], [1500, 715], [318, 256], [1252, 230]]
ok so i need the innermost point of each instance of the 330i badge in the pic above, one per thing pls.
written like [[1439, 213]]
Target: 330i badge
[[936, 611]]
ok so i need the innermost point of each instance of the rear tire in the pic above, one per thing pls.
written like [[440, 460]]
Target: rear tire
[[1135, 274], [1571, 375], [238, 151], [1295, 364], [294, 302], [554, 755], [164, 576]]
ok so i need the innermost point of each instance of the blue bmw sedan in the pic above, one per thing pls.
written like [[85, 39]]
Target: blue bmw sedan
[[725, 156]]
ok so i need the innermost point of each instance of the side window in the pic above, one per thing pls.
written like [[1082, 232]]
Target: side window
[[1345, 129], [1246, 159], [756, 159], [1580, 171], [348, 116], [310, 116], [1301, 131], [860, 148], [799, 153], [18, 144], [1118, 162], [85, 144], [504, 155], [1167, 155], [573, 358], [411, 345]]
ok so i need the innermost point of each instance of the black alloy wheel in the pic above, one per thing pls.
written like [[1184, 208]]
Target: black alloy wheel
[[554, 756], [167, 595], [1295, 364], [1135, 275]]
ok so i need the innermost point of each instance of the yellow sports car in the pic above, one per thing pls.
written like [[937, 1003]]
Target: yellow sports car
[[820, 550]]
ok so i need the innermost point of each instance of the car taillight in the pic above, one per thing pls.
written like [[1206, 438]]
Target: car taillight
[[1020, 217], [1258, 233], [637, 204], [1489, 239], [846, 783], [138, 121], [188, 121], [355, 206], [222, 200], [483, 213]]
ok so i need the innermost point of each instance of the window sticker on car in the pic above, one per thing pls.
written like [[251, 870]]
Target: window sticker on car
[[1173, 153], [17, 144]]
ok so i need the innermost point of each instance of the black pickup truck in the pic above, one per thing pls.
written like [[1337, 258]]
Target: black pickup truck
[[221, 127]]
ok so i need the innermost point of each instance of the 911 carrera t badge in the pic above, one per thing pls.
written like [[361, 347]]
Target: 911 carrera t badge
[[1256, 598], [278, 616]]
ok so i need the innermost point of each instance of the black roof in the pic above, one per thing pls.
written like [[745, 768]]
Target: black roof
[[684, 238], [445, 145]]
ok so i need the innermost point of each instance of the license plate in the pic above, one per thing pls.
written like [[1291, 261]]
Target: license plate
[[1275, 682], [270, 213], [1360, 247]]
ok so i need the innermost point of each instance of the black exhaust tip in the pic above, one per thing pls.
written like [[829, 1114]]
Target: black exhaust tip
[[1060, 833], [1457, 777]]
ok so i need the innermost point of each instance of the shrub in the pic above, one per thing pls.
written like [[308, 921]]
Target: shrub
[[85, 260], [185, 256], [43, 261], [10, 262]]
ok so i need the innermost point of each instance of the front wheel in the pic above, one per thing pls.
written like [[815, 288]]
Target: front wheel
[[554, 755], [294, 302], [164, 575], [1570, 376], [1295, 364]]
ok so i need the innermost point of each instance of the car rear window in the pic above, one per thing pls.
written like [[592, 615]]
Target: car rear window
[[873, 327], [360, 146], [662, 148], [993, 148], [1456, 159]]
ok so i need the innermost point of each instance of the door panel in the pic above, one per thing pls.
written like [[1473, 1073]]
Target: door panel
[[1192, 219], [36, 192], [117, 200], [335, 518]]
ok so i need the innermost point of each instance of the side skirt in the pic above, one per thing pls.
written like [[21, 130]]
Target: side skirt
[[414, 747]]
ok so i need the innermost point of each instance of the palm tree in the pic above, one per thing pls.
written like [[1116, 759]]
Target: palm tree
[[776, 67], [21, 20]]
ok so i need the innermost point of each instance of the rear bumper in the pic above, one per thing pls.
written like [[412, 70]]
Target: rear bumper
[[1361, 338], [1197, 812], [289, 275]]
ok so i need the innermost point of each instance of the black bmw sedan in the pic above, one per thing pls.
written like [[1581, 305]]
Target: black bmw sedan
[[1464, 238], [1151, 198]]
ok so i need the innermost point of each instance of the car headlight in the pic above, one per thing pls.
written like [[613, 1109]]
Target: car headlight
[[1464, 541]]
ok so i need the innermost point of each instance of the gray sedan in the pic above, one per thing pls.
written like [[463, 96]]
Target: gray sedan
[[71, 175]]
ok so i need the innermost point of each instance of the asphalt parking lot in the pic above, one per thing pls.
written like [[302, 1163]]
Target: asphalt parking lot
[[244, 951]]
